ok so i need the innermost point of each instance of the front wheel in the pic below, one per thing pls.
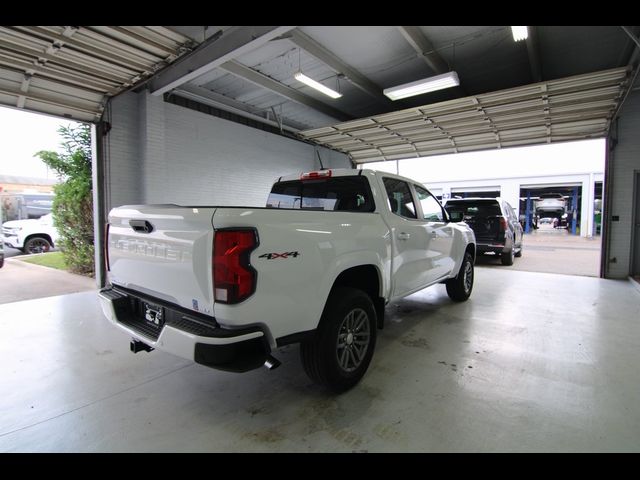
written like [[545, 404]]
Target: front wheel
[[459, 288], [37, 245], [339, 354]]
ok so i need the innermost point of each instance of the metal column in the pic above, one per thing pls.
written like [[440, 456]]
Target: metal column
[[527, 213], [574, 210], [98, 161]]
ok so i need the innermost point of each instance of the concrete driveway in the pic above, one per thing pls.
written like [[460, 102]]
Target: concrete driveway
[[12, 252], [553, 251], [24, 281]]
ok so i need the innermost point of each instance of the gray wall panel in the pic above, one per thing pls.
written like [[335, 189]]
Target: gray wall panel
[[626, 159], [164, 153]]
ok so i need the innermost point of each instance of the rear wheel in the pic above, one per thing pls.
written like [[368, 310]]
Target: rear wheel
[[339, 354], [459, 288], [37, 245], [519, 253], [507, 257]]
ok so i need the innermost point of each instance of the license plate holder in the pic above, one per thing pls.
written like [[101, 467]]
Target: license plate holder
[[153, 315]]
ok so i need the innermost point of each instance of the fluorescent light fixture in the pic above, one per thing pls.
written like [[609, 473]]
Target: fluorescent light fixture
[[301, 77], [519, 33], [446, 80]]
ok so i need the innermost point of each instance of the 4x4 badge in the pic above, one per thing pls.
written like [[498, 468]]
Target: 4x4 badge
[[273, 256]]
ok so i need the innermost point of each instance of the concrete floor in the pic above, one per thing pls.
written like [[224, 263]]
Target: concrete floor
[[532, 362], [554, 251]]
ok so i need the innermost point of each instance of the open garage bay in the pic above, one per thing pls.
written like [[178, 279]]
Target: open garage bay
[[553, 251]]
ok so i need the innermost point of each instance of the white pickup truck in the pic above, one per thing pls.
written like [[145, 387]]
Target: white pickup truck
[[32, 235], [226, 286]]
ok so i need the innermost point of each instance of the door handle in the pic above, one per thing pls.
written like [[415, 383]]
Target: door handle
[[404, 236], [141, 226]]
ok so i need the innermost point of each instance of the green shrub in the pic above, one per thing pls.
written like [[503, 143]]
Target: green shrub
[[73, 201]]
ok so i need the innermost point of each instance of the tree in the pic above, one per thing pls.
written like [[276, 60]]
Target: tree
[[73, 201]]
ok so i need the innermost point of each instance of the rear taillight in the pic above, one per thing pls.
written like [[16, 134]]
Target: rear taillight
[[106, 247], [503, 224], [234, 278]]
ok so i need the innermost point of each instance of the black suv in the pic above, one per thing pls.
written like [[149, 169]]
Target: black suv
[[494, 223]]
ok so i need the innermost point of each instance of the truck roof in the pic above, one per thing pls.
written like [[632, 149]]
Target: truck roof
[[474, 199], [345, 172]]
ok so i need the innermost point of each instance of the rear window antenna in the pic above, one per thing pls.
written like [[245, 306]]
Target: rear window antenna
[[320, 160]]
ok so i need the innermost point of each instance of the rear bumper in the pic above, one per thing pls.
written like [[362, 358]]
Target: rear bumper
[[195, 337], [494, 247], [559, 208]]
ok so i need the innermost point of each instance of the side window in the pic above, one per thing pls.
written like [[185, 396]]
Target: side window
[[510, 211], [399, 198], [431, 209]]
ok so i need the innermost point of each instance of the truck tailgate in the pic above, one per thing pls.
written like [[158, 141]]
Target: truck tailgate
[[486, 228], [164, 251]]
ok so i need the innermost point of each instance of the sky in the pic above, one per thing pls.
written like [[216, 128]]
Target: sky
[[22, 134]]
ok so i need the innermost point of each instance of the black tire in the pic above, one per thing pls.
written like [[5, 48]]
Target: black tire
[[519, 252], [1, 262], [36, 245], [459, 288], [350, 315], [507, 257]]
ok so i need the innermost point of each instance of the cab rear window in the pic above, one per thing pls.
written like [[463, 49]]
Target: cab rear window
[[474, 209], [347, 194]]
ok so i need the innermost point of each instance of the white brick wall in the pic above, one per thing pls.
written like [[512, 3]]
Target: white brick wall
[[626, 160], [123, 166], [163, 153], [153, 147]]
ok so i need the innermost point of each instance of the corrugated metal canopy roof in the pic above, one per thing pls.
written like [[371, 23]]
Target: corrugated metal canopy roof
[[361, 61], [573, 108], [71, 71], [249, 70]]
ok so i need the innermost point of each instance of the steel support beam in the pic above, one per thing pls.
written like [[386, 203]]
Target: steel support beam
[[424, 48], [214, 99], [631, 36], [263, 81], [211, 54], [312, 47]]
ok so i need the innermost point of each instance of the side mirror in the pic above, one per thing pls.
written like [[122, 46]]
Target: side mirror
[[455, 216]]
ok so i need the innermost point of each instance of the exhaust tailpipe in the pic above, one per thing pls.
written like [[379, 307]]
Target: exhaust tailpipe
[[272, 363]]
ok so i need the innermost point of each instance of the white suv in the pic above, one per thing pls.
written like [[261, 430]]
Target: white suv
[[550, 203], [31, 236]]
